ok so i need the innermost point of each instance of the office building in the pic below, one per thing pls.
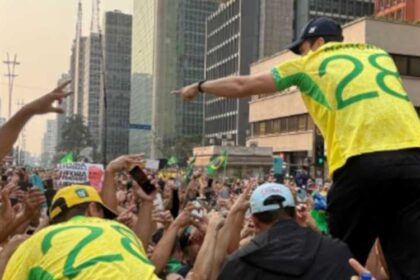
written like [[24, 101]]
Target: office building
[[408, 10], [77, 69], [144, 14], [281, 120], [61, 118], [276, 26], [114, 101], [342, 11], [232, 39], [49, 143], [191, 38], [168, 53], [92, 85]]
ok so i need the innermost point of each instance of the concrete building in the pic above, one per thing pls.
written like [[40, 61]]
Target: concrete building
[[242, 161], [49, 143], [342, 11], [232, 38], [115, 99], [281, 120], [92, 85], [408, 10]]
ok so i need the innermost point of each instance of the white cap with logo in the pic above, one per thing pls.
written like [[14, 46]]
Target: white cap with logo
[[262, 192]]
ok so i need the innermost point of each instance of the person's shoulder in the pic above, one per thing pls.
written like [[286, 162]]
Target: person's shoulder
[[335, 245]]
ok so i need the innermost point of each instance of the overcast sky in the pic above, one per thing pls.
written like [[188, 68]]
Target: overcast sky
[[40, 32]]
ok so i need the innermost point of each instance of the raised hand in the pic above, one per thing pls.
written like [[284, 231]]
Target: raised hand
[[33, 201], [242, 203], [125, 163], [44, 104], [7, 213]]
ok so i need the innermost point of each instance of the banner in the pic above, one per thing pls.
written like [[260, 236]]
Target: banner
[[80, 173]]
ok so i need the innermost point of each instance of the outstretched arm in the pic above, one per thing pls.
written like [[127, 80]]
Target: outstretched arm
[[232, 86], [9, 132]]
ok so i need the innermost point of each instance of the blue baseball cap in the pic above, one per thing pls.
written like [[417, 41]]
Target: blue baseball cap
[[318, 27], [264, 191]]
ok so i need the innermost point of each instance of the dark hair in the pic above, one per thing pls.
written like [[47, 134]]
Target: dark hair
[[327, 39], [68, 213], [269, 217]]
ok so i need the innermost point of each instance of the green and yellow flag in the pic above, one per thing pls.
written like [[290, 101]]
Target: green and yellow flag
[[68, 158], [172, 161], [216, 163]]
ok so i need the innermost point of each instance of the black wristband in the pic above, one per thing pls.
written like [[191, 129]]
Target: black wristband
[[200, 83]]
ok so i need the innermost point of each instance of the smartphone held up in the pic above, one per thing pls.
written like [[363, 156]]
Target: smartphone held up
[[140, 177]]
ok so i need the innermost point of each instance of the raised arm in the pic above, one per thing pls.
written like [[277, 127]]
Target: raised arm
[[232, 86], [122, 163], [9, 132]]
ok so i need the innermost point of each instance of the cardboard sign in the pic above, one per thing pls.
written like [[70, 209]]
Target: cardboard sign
[[80, 173]]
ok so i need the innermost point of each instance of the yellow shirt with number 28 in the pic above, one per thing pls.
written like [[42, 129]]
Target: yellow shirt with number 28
[[82, 248], [355, 96]]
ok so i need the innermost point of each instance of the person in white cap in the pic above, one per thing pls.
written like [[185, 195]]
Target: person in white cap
[[282, 248]]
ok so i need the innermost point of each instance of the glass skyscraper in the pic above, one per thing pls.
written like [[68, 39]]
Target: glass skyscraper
[[144, 16]]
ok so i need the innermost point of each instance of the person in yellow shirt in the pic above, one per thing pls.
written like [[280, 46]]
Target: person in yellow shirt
[[82, 243], [355, 96]]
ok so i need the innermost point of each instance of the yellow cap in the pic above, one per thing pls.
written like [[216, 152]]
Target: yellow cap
[[73, 195]]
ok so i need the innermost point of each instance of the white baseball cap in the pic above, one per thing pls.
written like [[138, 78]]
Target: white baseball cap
[[264, 191]]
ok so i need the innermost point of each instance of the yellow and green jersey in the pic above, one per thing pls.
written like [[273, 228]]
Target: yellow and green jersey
[[355, 95], [82, 248]]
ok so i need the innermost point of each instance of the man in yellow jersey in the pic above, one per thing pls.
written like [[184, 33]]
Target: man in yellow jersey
[[355, 95], [81, 244]]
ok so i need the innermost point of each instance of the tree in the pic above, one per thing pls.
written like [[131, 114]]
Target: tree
[[181, 147], [74, 138]]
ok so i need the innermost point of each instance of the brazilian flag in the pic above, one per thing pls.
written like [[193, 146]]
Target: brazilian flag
[[172, 161], [68, 158], [190, 169], [216, 163]]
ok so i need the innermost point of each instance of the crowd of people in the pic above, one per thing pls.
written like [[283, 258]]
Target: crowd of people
[[199, 227]]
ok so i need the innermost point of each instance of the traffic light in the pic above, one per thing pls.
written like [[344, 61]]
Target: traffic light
[[319, 154]]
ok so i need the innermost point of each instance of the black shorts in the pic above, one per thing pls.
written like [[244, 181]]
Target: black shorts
[[377, 195]]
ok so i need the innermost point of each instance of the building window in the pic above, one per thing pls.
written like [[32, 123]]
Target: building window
[[283, 125], [407, 65]]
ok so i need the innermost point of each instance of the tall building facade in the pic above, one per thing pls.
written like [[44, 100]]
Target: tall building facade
[[92, 84], [191, 39], [168, 53], [49, 142], [342, 11], [276, 26], [77, 69], [114, 103], [144, 32], [408, 10], [61, 118], [232, 38]]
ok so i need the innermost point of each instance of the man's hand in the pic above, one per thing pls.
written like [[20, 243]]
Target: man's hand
[[358, 268], [184, 218], [242, 203], [140, 194], [7, 213], [44, 104], [127, 217], [188, 93], [33, 201], [216, 220], [125, 163]]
